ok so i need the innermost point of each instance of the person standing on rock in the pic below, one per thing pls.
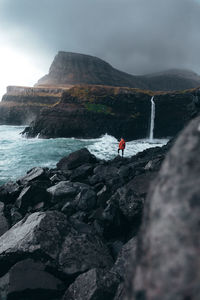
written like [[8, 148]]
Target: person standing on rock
[[122, 145]]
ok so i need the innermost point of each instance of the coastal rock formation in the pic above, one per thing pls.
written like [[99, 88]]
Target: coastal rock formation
[[21, 105], [68, 239], [91, 111], [168, 264], [73, 68]]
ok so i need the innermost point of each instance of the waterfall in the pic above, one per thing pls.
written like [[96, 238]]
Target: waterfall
[[152, 119]]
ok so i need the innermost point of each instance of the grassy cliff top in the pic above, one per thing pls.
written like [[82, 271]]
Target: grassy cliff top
[[87, 91]]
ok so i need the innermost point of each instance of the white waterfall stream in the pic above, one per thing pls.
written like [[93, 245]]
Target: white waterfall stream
[[152, 119]]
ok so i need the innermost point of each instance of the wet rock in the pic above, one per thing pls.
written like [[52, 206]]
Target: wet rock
[[85, 200], [82, 172], [35, 173], [15, 215], [89, 286], [126, 260], [121, 293], [31, 195], [28, 279], [130, 198], [4, 226], [63, 189], [81, 252], [40, 232], [102, 196], [76, 159], [154, 165], [9, 192], [168, 255]]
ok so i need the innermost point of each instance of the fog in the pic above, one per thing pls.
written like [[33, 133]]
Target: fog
[[136, 36]]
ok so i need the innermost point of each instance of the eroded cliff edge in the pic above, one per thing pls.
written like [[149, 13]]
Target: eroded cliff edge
[[89, 111]]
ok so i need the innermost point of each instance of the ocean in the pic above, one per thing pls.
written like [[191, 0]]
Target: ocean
[[19, 154]]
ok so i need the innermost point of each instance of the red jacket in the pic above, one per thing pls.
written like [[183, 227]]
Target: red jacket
[[122, 144]]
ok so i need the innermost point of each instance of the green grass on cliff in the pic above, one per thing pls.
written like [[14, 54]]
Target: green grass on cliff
[[98, 108]]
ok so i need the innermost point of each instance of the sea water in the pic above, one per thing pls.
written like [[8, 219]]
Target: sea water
[[19, 154]]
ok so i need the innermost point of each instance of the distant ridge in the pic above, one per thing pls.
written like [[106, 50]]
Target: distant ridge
[[74, 68]]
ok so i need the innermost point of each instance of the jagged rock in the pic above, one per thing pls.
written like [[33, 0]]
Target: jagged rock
[[33, 174], [76, 159], [126, 260], [40, 232], [4, 226], [85, 200], [81, 252], [154, 165], [121, 293], [31, 195], [102, 196], [9, 192], [131, 197], [90, 286], [81, 172], [168, 255], [15, 215], [28, 279], [63, 189]]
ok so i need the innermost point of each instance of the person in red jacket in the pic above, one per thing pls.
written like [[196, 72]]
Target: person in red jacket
[[122, 145]]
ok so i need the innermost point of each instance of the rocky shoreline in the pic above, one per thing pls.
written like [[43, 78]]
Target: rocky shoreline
[[74, 226], [124, 229]]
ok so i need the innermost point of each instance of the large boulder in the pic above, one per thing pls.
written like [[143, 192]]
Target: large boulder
[[4, 226], [168, 261], [28, 279], [76, 159], [9, 192], [40, 232], [81, 252], [90, 286]]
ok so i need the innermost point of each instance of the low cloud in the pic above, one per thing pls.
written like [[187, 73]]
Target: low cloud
[[137, 36]]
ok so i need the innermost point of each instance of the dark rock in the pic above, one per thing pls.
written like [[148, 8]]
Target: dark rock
[[85, 200], [82, 172], [9, 192], [28, 279], [154, 165], [121, 293], [95, 179], [62, 190], [31, 195], [89, 286], [40, 232], [35, 173], [168, 256], [15, 215], [102, 196], [126, 260], [82, 252], [4, 226], [131, 198], [76, 159]]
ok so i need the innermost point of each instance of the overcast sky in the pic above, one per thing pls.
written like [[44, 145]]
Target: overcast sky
[[136, 36]]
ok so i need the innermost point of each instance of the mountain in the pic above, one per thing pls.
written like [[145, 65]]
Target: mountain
[[73, 68]]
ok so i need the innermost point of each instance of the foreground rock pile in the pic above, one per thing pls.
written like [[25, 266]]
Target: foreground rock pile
[[86, 230], [70, 232]]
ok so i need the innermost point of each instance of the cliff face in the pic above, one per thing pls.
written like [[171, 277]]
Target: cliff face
[[21, 105], [91, 111], [73, 68]]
